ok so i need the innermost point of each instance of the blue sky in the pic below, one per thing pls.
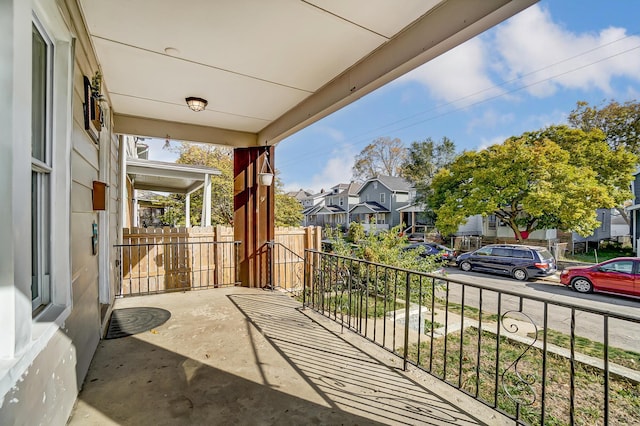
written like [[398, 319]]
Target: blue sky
[[522, 75]]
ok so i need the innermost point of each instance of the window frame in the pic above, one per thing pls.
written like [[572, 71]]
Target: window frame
[[382, 198], [42, 173]]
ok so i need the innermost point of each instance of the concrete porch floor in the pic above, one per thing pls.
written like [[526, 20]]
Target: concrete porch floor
[[253, 357]]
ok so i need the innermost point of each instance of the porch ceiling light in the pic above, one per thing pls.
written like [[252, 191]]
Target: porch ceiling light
[[196, 104]]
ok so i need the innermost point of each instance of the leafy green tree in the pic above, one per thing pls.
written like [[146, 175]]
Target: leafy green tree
[[613, 165], [288, 210], [530, 182], [424, 160], [383, 157], [619, 122]]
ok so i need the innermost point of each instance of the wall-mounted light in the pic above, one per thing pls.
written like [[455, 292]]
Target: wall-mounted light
[[196, 104], [265, 177]]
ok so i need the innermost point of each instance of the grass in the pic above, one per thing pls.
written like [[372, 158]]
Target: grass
[[602, 254], [480, 367], [360, 306], [588, 347]]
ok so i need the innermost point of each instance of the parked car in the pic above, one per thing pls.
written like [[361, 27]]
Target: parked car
[[431, 249], [620, 275], [518, 261]]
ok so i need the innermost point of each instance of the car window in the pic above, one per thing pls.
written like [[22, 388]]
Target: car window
[[484, 251], [623, 266], [502, 252], [522, 254], [545, 254]]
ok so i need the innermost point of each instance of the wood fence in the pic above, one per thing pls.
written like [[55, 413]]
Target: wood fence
[[154, 260]]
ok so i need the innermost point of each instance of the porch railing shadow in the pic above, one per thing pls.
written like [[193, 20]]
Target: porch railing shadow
[[536, 360]]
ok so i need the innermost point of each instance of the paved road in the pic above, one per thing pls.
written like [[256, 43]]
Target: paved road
[[622, 333]]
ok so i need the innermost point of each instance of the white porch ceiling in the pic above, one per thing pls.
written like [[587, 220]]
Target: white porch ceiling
[[267, 68]]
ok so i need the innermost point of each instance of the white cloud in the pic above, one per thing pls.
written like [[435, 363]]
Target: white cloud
[[337, 169], [545, 56], [459, 76], [490, 119]]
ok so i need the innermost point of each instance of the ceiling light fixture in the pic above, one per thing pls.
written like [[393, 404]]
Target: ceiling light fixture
[[196, 104]]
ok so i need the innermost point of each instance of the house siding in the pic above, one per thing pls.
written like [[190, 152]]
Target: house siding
[[43, 362]]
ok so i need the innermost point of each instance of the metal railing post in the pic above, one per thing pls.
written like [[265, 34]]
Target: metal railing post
[[407, 301]]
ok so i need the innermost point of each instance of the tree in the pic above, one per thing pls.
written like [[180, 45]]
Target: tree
[[288, 210], [424, 160], [383, 157], [531, 182], [221, 185], [613, 165], [619, 122]]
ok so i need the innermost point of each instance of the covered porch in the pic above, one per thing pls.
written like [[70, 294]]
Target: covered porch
[[249, 356]]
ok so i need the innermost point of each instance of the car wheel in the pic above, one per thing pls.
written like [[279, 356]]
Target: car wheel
[[582, 285], [520, 274], [465, 266]]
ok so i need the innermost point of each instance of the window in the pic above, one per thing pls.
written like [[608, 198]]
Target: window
[[382, 198], [491, 219], [41, 97], [624, 266], [502, 252], [375, 185], [341, 201], [522, 254], [381, 218], [484, 251]]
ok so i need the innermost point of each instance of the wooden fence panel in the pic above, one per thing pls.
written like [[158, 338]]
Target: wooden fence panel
[[155, 260]]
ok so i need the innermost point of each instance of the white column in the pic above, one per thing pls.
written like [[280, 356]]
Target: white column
[[187, 211], [135, 209], [206, 202]]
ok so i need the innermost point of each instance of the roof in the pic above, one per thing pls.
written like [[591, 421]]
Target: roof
[[262, 84], [167, 177], [368, 207], [413, 208], [298, 195], [392, 183], [351, 188]]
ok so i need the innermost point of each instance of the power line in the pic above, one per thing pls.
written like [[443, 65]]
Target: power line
[[359, 141]]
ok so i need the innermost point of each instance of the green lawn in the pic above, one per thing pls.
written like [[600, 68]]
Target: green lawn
[[524, 380], [602, 254]]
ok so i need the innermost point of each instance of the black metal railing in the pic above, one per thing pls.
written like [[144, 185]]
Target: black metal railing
[[285, 268], [148, 268], [535, 360]]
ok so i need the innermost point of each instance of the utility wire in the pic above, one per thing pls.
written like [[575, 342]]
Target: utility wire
[[360, 141]]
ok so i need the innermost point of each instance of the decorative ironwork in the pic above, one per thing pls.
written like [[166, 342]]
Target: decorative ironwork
[[523, 382]]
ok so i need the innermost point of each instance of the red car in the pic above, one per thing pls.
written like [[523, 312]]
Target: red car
[[620, 275]]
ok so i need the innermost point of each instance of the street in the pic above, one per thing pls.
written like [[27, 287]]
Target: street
[[622, 333]]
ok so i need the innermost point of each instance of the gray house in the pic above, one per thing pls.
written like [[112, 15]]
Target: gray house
[[634, 212], [332, 208], [380, 199]]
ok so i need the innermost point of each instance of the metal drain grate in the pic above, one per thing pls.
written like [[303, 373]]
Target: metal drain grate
[[129, 321]]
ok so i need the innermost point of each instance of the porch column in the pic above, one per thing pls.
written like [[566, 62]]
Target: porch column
[[254, 216], [136, 219], [187, 210], [206, 201]]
